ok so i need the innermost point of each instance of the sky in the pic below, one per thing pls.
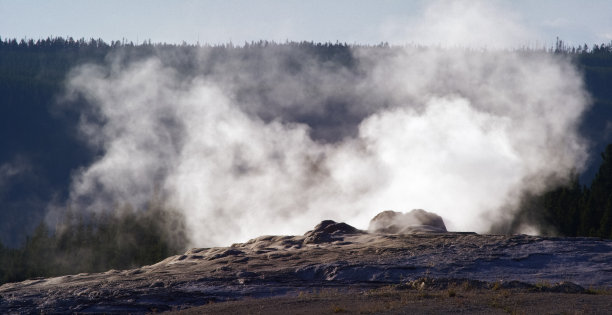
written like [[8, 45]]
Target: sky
[[348, 21]]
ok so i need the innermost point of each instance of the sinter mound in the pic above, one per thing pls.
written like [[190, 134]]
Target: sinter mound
[[418, 220], [329, 231], [331, 256]]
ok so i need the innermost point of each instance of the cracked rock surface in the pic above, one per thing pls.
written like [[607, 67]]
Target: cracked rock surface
[[331, 255]]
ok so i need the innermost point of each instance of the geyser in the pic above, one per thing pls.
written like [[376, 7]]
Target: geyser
[[417, 220], [460, 132], [272, 139]]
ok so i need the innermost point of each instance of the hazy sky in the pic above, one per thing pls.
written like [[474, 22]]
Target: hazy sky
[[351, 21]]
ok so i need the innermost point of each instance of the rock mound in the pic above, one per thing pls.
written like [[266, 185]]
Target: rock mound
[[329, 231], [333, 255], [418, 220]]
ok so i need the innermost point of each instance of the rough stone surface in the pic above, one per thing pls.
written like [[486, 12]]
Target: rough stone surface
[[342, 257], [329, 231], [418, 220]]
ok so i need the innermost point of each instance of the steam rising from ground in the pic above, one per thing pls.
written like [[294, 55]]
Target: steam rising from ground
[[456, 132], [280, 140], [462, 23]]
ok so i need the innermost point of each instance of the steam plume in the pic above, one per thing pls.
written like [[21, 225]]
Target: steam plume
[[462, 23], [278, 141]]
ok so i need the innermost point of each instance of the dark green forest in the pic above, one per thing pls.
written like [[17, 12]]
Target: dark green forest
[[571, 210], [122, 240], [44, 141]]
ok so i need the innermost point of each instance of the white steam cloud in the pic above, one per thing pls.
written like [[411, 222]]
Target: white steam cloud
[[462, 23], [276, 143]]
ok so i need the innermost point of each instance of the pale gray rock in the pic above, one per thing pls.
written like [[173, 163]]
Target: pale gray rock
[[415, 221]]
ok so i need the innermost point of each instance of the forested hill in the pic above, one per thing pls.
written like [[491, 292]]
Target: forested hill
[[40, 144]]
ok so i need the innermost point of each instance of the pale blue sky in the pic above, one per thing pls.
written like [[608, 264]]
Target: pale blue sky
[[351, 21]]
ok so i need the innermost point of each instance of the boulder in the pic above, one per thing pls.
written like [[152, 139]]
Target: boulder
[[418, 220]]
